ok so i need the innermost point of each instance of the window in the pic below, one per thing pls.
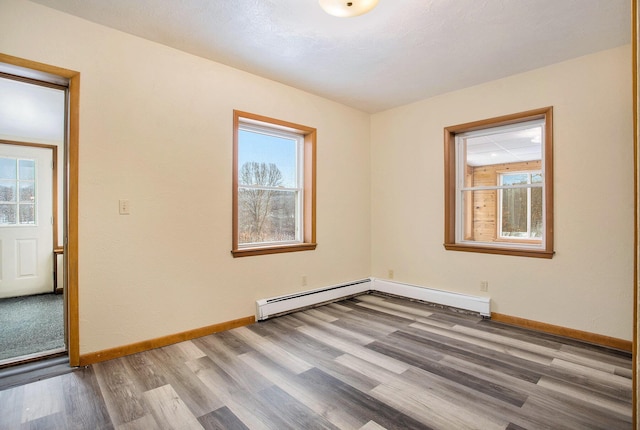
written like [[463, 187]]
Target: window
[[499, 185], [520, 205], [273, 186], [17, 191]]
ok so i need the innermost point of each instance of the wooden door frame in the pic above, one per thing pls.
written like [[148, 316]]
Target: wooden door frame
[[635, 33], [72, 162]]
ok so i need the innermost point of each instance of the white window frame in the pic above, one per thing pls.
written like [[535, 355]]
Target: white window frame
[[270, 130], [460, 142], [18, 203]]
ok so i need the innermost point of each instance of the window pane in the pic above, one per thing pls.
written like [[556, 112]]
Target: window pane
[[283, 221], [8, 168], [7, 191], [266, 215], [276, 154], [27, 170], [514, 212], [479, 215], [27, 214], [27, 192], [254, 173], [536, 213], [503, 146], [7, 214], [515, 179]]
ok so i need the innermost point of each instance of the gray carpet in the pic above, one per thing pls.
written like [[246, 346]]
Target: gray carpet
[[30, 324]]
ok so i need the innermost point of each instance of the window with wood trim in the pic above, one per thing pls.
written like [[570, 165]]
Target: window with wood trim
[[17, 191], [273, 186], [499, 185]]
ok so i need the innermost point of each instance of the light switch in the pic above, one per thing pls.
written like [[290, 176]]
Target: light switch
[[125, 207]]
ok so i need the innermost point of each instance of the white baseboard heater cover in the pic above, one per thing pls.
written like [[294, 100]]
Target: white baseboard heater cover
[[481, 305], [266, 308]]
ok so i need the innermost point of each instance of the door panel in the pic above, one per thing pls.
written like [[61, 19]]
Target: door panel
[[26, 229], [27, 257]]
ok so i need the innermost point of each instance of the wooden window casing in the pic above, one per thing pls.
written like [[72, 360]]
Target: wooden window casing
[[308, 221], [450, 169]]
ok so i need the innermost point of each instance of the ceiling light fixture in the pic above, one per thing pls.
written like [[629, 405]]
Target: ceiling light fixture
[[347, 9]]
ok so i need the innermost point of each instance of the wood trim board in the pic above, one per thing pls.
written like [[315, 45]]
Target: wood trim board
[[145, 345], [635, 23], [598, 339]]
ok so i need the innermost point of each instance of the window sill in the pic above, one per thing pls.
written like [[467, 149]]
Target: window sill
[[506, 240], [542, 253], [277, 249]]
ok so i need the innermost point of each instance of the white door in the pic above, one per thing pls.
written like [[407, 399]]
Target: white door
[[26, 220]]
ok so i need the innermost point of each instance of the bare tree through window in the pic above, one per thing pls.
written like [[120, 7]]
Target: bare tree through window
[[267, 213]]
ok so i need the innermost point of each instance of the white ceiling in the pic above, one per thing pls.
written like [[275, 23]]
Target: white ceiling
[[402, 51], [31, 113], [504, 145]]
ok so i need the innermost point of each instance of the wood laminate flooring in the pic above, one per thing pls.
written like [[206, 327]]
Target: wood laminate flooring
[[369, 362]]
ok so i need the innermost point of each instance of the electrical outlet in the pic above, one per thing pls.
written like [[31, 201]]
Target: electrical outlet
[[390, 274], [304, 280], [484, 286], [125, 207]]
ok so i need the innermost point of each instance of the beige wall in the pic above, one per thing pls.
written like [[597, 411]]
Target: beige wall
[[156, 128], [588, 285]]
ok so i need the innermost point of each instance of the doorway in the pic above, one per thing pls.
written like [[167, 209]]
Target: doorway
[[33, 135]]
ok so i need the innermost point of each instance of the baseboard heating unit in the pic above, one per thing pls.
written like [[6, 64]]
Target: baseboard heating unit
[[267, 308], [481, 305]]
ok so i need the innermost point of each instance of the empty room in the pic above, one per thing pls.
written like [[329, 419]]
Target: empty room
[[327, 214]]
